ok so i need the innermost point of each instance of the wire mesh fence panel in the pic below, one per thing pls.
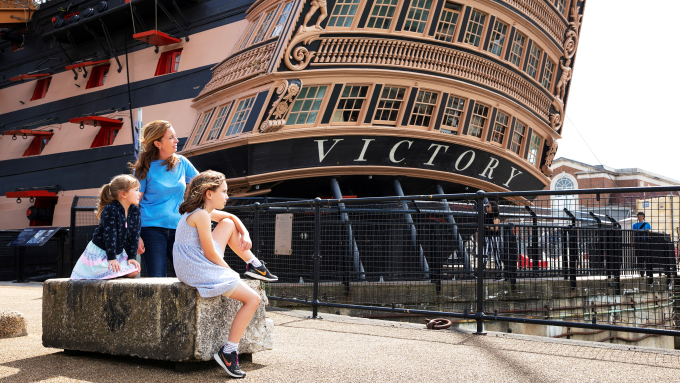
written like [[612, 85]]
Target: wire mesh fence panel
[[583, 259]]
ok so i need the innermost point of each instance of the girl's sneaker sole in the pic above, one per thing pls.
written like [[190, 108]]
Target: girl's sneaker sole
[[260, 277], [217, 358]]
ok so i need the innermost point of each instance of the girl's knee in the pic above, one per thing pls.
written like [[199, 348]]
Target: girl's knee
[[132, 275], [227, 225]]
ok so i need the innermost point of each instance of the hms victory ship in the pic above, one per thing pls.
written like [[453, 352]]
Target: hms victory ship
[[287, 98]]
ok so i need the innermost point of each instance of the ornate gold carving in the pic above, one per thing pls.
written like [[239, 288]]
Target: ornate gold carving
[[561, 87], [556, 119], [549, 156], [571, 39], [286, 93], [240, 67], [301, 54], [316, 4], [570, 45], [447, 61], [543, 14]]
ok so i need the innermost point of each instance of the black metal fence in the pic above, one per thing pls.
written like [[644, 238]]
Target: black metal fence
[[571, 259]]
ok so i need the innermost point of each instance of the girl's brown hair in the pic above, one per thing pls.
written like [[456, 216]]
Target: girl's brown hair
[[152, 132], [110, 191], [194, 197]]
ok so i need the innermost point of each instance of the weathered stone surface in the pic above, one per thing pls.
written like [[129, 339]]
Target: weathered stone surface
[[12, 324], [156, 318]]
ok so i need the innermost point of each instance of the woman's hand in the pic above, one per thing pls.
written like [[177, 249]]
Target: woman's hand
[[245, 243], [114, 266], [140, 248], [135, 264]]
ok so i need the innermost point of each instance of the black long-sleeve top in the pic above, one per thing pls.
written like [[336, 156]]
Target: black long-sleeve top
[[116, 233]]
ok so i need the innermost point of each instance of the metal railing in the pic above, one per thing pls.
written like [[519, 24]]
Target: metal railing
[[558, 261]]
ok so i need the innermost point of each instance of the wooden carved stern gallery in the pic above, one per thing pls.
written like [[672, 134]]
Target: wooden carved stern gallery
[[280, 105]]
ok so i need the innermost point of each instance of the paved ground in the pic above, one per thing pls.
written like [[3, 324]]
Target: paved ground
[[340, 349]]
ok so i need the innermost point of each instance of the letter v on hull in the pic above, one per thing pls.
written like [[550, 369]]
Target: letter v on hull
[[323, 155]]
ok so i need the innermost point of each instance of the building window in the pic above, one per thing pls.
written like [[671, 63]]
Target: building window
[[564, 183], [37, 145], [168, 62], [534, 149], [97, 76], [453, 115], [41, 87], [350, 103], [417, 15], [283, 17], [343, 13], [382, 13], [307, 105], [534, 60], [500, 127], [561, 5], [105, 137], [201, 127], [264, 26], [498, 34], [480, 113], [389, 105], [218, 124], [475, 28], [517, 49], [447, 22], [424, 107], [249, 33], [518, 137], [241, 116], [548, 74]]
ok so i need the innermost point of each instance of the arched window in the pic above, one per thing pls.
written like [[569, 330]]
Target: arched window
[[564, 183]]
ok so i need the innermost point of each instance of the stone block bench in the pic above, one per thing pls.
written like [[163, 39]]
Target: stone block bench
[[154, 318]]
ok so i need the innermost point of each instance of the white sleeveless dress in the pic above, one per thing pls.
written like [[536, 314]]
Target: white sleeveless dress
[[194, 269]]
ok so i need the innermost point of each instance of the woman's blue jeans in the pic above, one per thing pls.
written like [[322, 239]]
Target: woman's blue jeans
[[158, 243]]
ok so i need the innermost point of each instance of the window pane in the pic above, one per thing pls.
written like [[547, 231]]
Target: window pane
[[240, 116], [389, 105], [281, 21], [343, 13], [498, 38], [480, 114], [306, 105], [418, 12], [423, 108], [264, 26], [475, 26], [349, 106], [517, 49]]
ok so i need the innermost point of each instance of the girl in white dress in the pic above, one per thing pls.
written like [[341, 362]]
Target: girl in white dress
[[198, 256]]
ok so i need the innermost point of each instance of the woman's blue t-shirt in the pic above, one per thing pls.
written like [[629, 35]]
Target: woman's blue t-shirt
[[164, 192]]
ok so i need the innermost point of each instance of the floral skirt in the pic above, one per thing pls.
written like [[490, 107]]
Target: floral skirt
[[93, 264]]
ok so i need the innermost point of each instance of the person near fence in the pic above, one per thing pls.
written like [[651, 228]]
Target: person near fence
[[641, 242], [492, 236], [115, 241], [198, 257], [163, 176]]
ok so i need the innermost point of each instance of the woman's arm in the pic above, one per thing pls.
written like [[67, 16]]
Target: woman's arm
[[201, 220]]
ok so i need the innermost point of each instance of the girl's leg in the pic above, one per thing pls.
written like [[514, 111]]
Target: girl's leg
[[250, 300], [226, 234]]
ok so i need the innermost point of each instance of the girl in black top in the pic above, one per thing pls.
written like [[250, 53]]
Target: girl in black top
[[117, 236]]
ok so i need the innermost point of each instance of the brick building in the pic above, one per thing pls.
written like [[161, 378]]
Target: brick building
[[569, 174]]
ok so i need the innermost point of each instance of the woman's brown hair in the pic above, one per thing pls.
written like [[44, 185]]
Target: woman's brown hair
[[194, 197], [110, 191], [152, 132]]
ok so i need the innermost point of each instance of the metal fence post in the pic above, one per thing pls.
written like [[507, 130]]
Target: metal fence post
[[72, 233], [479, 316], [317, 257]]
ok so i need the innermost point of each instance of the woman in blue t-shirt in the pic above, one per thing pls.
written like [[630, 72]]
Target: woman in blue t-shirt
[[163, 176]]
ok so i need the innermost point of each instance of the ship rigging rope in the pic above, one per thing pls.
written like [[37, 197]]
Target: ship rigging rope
[[132, 15]]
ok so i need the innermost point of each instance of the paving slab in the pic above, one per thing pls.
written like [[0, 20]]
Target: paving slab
[[343, 349]]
